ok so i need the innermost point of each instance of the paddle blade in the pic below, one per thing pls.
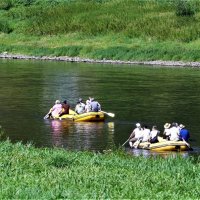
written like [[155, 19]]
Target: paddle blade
[[46, 116], [111, 114]]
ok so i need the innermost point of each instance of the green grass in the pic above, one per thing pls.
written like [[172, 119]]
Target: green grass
[[122, 29], [114, 46], [28, 172]]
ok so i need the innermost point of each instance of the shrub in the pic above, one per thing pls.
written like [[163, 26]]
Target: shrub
[[4, 27], [5, 4], [23, 2], [185, 8]]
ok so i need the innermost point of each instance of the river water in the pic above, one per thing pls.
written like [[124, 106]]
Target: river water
[[135, 93]]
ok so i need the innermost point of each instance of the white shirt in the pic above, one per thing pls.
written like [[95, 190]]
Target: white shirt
[[174, 131], [167, 132], [153, 133], [138, 132], [80, 108], [146, 135]]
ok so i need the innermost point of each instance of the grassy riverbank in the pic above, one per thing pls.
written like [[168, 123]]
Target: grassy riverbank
[[28, 172], [102, 29]]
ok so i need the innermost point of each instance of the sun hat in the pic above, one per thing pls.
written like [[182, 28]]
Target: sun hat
[[80, 99], [138, 125], [167, 125], [182, 126], [57, 101], [174, 124]]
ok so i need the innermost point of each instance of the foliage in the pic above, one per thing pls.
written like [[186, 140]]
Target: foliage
[[154, 23], [186, 7], [113, 46], [4, 27], [22, 2], [147, 19], [5, 4], [56, 173]]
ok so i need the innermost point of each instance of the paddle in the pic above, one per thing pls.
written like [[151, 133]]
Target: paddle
[[136, 144], [187, 144], [125, 142], [48, 114], [109, 114]]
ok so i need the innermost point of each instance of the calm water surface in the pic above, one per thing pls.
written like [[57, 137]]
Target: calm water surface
[[149, 95]]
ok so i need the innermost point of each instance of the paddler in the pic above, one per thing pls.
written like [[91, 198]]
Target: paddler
[[95, 105], [56, 109], [65, 108], [137, 134], [80, 106], [184, 133]]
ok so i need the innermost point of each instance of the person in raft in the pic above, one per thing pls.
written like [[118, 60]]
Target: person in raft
[[145, 134], [154, 135], [184, 133], [56, 109], [95, 106], [137, 134], [80, 106], [166, 132], [174, 132], [65, 108], [88, 107]]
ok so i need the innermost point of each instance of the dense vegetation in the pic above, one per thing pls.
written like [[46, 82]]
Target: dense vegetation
[[111, 29], [30, 173]]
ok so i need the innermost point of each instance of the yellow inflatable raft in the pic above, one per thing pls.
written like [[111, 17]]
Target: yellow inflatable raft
[[85, 117], [165, 145]]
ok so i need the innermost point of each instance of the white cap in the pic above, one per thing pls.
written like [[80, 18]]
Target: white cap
[[181, 126], [138, 125], [57, 102]]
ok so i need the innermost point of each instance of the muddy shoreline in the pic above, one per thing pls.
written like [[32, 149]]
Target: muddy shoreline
[[6, 55]]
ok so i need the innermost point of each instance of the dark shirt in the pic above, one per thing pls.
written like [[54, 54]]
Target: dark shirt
[[184, 133], [65, 109]]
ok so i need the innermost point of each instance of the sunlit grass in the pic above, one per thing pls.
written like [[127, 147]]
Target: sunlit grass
[[100, 29], [27, 172], [110, 46]]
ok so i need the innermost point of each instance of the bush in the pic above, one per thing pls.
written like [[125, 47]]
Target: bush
[[5, 4], [23, 2], [4, 27], [185, 8]]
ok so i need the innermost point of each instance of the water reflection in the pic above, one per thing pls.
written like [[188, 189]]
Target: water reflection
[[164, 154], [58, 127], [159, 98], [82, 135]]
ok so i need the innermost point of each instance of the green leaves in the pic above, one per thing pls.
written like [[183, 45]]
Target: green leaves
[[5, 27], [186, 7], [28, 172]]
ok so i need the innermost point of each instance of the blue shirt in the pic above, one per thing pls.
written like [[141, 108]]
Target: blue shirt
[[95, 106], [184, 133]]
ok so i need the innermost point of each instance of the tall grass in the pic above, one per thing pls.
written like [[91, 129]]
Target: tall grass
[[148, 19], [113, 46], [27, 172], [102, 28]]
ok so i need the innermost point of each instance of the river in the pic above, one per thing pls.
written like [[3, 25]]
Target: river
[[151, 95]]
